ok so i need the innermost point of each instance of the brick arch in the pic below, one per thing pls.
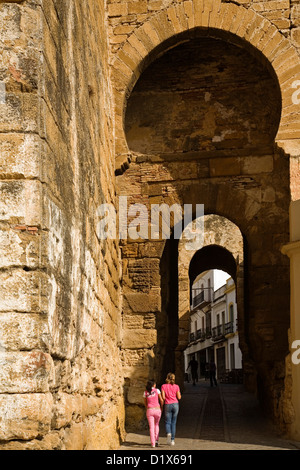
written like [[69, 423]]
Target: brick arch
[[239, 22], [218, 232]]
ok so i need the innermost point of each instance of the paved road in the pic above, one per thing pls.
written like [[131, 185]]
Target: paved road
[[219, 418]]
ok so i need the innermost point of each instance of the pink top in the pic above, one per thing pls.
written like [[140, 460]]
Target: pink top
[[170, 392], [152, 398]]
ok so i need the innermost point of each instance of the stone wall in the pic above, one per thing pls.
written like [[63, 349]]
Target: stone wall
[[68, 356], [61, 376]]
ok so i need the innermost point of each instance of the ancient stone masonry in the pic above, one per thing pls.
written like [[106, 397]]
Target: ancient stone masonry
[[162, 101], [61, 378]]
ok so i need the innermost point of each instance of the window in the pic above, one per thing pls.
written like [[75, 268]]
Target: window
[[231, 312]]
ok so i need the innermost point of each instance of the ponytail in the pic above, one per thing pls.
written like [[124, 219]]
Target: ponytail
[[170, 379], [150, 385]]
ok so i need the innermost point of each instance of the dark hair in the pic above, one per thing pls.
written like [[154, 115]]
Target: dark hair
[[149, 385]]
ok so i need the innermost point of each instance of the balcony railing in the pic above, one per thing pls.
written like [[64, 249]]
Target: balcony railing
[[216, 333], [222, 330], [229, 328], [202, 297], [200, 335], [198, 299]]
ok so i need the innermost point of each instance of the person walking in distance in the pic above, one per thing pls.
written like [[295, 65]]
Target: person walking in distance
[[171, 395], [212, 373], [154, 404], [193, 364]]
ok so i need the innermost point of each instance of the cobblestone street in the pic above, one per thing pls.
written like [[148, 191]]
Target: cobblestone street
[[220, 418]]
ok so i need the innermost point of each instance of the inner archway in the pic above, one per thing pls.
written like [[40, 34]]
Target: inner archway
[[222, 249], [212, 257]]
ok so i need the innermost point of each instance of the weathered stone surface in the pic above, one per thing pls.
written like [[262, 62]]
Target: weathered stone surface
[[139, 302], [139, 339], [21, 332], [24, 291], [21, 201], [71, 341], [25, 416], [25, 372]]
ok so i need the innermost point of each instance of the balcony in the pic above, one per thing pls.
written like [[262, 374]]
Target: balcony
[[200, 335], [229, 328], [219, 332], [202, 298]]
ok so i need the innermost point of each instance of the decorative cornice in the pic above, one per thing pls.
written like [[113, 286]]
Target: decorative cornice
[[291, 248]]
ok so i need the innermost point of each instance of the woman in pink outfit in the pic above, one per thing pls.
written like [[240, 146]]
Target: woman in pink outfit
[[171, 395], [153, 403]]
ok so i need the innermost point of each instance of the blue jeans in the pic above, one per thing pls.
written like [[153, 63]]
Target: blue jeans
[[171, 413]]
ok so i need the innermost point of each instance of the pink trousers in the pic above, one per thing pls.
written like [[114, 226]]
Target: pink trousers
[[153, 416]]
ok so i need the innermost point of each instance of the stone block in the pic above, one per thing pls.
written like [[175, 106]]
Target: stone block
[[257, 165], [22, 246], [139, 339], [137, 7], [141, 302], [295, 15], [295, 36], [19, 155], [163, 26], [63, 409], [75, 437], [25, 372], [23, 291], [117, 9], [136, 362], [20, 201], [188, 8], [20, 113], [25, 416], [20, 331], [135, 395], [138, 45], [174, 19], [224, 166]]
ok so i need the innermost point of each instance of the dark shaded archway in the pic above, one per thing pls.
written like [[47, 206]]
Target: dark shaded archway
[[168, 322], [203, 96], [212, 257]]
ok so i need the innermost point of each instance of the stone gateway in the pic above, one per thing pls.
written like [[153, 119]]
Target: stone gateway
[[181, 103]]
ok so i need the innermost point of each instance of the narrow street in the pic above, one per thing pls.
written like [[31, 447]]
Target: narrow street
[[219, 418]]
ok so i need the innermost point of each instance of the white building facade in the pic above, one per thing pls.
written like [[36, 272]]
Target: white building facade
[[214, 329]]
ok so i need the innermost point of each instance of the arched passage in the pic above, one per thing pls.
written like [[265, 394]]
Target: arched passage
[[231, 21], [222, 248], [222, 155], [212, 257], [203, 96]]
